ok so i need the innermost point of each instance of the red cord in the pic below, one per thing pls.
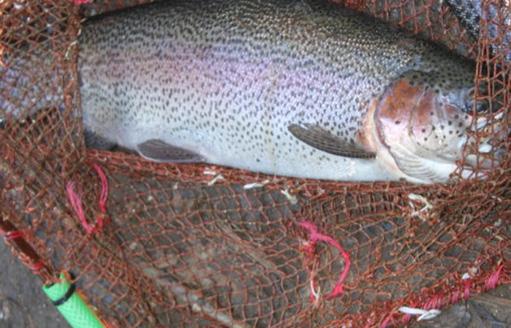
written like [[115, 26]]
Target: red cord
[[10, 235], [315, 236], [493, 279], [80, 2], [76, 202]]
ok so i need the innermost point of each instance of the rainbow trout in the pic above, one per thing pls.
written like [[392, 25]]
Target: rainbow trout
[[293, 88]]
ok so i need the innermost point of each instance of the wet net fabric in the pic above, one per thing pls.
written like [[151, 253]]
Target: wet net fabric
[[198, 245]]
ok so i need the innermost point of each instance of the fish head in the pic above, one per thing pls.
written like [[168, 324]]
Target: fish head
[[423, 123]]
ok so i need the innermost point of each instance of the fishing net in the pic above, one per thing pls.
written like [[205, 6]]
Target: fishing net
[[198, 245]]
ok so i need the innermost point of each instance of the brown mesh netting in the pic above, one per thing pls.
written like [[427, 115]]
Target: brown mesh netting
[[198, 245]]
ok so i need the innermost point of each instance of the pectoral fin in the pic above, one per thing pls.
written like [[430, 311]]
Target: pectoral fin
[[160, 151], [324, 140]]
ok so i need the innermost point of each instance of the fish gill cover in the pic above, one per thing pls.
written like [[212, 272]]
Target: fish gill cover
[[200, 245]]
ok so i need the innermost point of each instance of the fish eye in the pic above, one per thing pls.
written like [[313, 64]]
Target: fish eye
[[481, 105]]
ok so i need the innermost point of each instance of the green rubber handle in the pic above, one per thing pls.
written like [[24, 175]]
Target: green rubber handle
[[72, 307]]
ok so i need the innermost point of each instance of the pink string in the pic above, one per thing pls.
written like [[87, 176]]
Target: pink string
[[406, 318], [13, 235], [386, 321], [80, 2], [467, 283], [76, 202], [493, 279], [455, 297], [434, 303], [103, 197], [315, 236]]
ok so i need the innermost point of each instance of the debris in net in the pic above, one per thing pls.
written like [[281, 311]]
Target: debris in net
[[472, 271], [253, 185], [315, 295], [133, 245], [68, 50], [483, 121], [498, 199], [215, 179], [421, 199], [17, 6], [423, 314], [256, 185], [208, 171], [485, 148], [290, 197]]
